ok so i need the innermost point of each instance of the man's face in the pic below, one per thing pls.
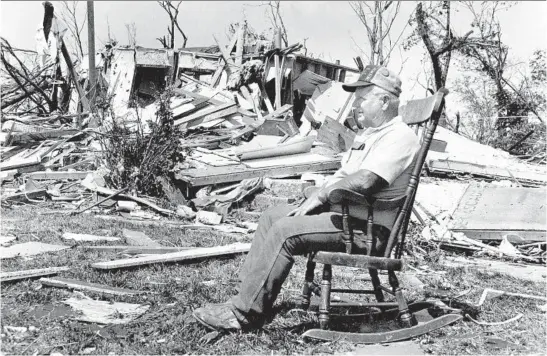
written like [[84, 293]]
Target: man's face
[[368, 104]]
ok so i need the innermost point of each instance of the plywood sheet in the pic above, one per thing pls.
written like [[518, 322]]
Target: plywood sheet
[[501, 208]]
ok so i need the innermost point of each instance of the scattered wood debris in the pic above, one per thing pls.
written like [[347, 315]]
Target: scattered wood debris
[[196, 253], [102, 312], [86, 286]]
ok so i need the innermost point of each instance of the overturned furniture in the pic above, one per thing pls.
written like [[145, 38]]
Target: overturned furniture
[[424, 111]]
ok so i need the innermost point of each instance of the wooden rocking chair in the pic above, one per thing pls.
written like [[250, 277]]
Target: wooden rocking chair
[[417, 112]]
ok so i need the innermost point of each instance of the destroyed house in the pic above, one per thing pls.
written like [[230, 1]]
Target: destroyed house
[[301, 76], [139, 74]]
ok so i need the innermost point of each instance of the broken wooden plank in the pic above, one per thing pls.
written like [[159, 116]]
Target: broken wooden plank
[[87, 238], [17, 163], [216, 175], [173, 224], [91, 185], [137, 238], [31, 273], [240, 43], [287, 149], [135, 250], [103, 312], [202, 252], [208, 114], [23, 137], [335, 135], [86, 286], [452, 166]]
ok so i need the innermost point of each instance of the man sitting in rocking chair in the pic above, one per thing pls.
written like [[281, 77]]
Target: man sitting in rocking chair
[[378, 164]]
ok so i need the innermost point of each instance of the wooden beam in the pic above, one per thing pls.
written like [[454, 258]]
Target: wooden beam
[[452, 166], [174, 224], [240, 43], [209, 114], [30, 273], [87, 237], [203, 252], [135, 250], [86, 286], [25, 137], [278, 74], [216, 175], [75, 77], [57, 175]]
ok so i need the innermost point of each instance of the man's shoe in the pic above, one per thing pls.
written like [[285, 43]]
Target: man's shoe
[[217, 317]]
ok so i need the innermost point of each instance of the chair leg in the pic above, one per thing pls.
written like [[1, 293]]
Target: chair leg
[[325, 297], [308, 284], [406, 318], [376, 285]]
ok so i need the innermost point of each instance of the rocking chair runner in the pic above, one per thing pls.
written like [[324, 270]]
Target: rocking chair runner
[[424, 111]]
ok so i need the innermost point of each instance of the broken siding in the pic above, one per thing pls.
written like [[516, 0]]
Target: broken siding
[[198, 62], [157, 58], [121, 77]]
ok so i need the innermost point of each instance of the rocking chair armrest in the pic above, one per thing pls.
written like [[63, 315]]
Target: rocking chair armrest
[[345, 196]]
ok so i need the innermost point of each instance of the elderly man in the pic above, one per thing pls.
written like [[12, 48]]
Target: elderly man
[[378, 164]]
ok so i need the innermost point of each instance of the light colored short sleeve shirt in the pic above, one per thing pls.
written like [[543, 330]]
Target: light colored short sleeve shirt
[[388, 151]]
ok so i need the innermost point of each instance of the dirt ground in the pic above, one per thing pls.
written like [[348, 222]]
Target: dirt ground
[[174, 290]]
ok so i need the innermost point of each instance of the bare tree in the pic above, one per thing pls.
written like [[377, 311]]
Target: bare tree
[[488, 54], [276, 19], [69, 15], [173, 12], [434, 28], [131, 34], [378, 19]]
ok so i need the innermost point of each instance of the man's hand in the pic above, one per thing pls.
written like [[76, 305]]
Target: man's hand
[[309, 204]]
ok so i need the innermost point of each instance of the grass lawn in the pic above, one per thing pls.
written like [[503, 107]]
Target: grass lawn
[[175, 290]]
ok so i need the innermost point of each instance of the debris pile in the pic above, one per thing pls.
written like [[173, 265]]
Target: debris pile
[[197, 134]]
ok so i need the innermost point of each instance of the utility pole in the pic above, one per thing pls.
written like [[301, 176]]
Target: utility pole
[[91, 52]]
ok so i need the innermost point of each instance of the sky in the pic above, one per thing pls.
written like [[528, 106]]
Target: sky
[[331, 28]]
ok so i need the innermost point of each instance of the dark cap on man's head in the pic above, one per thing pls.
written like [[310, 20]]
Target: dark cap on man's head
[[379, 76]]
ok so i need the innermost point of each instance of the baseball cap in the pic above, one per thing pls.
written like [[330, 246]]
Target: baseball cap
[[379, 76]]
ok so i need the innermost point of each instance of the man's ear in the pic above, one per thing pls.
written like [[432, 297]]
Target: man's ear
[[385, 102]]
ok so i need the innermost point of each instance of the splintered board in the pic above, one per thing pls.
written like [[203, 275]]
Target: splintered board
[[196, 253], [86, 286], [491, 212], [267, 167]]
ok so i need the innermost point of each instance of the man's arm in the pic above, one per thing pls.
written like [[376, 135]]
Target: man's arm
[[363, 182]]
